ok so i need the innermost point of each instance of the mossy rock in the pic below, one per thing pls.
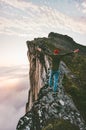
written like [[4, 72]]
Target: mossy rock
[[60, 125], [48, 127]]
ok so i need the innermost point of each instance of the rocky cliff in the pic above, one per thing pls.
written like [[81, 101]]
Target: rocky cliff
[[43, 107], [38, 68]]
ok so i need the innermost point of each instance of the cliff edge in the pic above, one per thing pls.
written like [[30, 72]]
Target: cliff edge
[[44, 111]]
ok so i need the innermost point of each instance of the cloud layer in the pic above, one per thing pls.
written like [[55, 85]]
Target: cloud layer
[[13, 72], [12, 106], [24, 18], [13, 95]]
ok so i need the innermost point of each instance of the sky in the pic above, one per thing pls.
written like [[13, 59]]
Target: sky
[[22, 20]]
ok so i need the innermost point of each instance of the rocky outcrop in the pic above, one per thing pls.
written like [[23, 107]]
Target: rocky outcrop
[[66, 42], [42, 104], [38, 68]]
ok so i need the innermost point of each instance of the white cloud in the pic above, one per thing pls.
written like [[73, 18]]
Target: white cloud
[[81, 6], [35, 19], [12, 104], [14, 72], [20, 4], [10, 112], [84, 7]]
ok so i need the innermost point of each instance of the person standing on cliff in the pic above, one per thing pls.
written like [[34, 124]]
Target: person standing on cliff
[[55, 61]]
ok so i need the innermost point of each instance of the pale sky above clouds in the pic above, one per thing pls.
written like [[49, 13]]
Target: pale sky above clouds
[[22, 20]]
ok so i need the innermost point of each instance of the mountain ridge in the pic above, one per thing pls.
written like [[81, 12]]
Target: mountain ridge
[[39, 78]]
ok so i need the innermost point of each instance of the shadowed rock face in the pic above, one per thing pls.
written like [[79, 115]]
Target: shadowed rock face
[[37, 73], [42, 105]]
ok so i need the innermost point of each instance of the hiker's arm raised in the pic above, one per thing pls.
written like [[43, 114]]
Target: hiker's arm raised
[[76, 51], [70, 53], [40, 50]]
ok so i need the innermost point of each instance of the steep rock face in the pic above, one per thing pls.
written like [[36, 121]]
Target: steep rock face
[[38, 69]]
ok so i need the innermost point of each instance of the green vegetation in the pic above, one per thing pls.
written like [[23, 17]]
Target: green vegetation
[[60, 125], [78, 95], [76, 87]]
